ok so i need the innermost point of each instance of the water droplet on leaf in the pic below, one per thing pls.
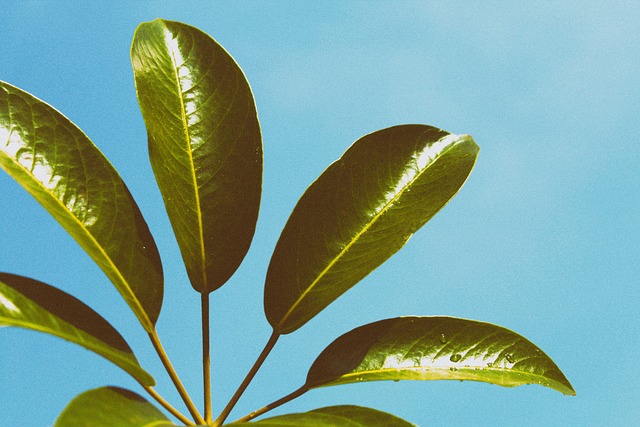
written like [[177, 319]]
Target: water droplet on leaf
[[509, 357], [455, 357], [443, 339]]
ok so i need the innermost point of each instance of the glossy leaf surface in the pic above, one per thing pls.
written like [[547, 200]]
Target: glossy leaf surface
[[333, 416], [31, 304], [55, 162], [435, 348], [109, 407], [204, 143], [358, 213]]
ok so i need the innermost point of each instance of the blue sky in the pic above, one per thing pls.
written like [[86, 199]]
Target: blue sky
[[543, 238]]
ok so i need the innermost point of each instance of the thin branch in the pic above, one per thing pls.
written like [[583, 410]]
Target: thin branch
[[174, 377], [206, 358], [256, 366], [299, 392], [166, 405]]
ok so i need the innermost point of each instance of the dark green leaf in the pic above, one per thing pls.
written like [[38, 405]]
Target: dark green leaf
[[31, 304], [111, 407], [435, 348], [358, 213], [333, 416], [55, 162], [204, 144]]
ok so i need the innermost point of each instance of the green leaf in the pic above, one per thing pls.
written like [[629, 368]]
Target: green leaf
[[204, 143], [333, 416], [109, 407], [31, 304], [435, 348], [358, 213], [55, 162]]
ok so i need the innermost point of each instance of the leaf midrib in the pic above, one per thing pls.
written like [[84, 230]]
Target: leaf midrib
[[353, 241], [124, 286], [436, 369], [196, 194]]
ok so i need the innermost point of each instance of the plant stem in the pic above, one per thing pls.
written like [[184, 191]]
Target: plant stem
[[254, 369], [299, 392], [206, 358], [174, 377], [166, 405]]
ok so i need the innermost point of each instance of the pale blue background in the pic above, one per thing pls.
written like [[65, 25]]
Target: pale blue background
[[543, 239]]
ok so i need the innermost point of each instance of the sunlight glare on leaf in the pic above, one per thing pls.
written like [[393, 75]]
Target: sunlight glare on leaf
[[433, 361], [422, 159], [38, 165], [434, 150], [184, 76], [396, 362], [6, 136], [40, 168], [6, 303]]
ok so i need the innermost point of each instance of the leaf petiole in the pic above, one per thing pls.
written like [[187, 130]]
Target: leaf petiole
[[166, 405], [155, 340], [254, 369], [206, 358], [299, 392]]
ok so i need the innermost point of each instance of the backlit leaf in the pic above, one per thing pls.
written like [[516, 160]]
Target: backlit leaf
[[435, 348], [358, 213], [333, 416], [56, 162], [204, 143], [110, 407], [31, 304]]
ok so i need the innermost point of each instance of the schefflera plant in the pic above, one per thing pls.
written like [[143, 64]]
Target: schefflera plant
[[206, 153]]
